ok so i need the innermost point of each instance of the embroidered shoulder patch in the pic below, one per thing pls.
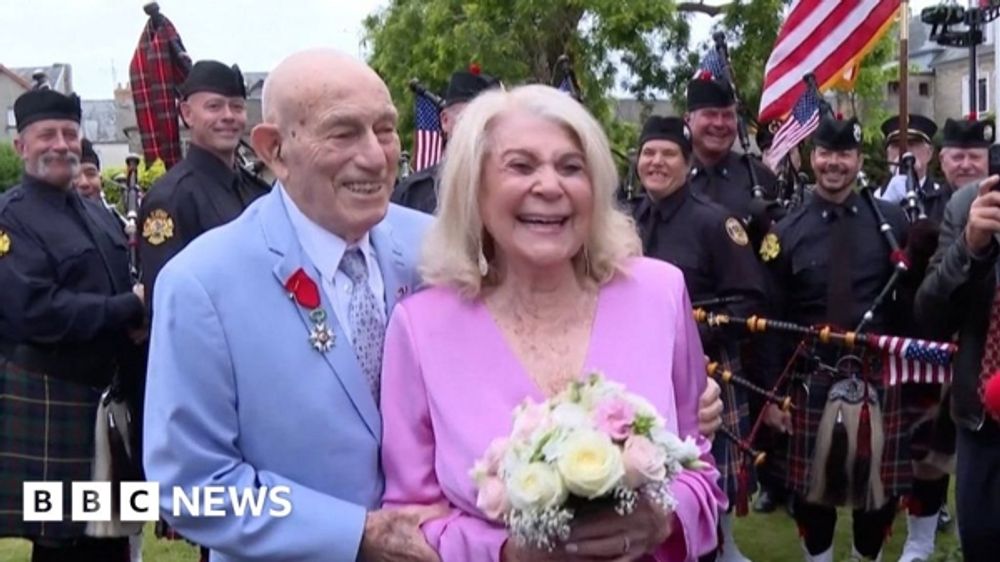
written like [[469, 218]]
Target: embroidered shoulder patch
[[736, 231], [158, 227], [770, 247], [4, 243]]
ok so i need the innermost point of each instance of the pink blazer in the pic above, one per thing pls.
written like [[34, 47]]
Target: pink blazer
[[450, 383]]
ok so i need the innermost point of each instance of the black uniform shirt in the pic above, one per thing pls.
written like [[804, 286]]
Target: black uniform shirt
[[708, 244], [419, 190], [65, 279], [200, 193], [797, 253], [728, 183]]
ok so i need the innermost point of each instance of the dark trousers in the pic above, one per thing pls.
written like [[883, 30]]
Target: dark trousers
[[816, 524], [977, 492], [82, 550]]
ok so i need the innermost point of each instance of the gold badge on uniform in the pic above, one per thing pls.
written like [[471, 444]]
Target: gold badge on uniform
[[4, 243], [736, 231], [158, 227], [770, 247]]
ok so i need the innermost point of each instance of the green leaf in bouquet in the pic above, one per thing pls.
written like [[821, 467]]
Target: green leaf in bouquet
[[643, 425]]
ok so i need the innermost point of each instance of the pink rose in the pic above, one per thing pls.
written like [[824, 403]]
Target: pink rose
[[494, 455], [530, 418], [644, 461], [492, 499], [614, 417]]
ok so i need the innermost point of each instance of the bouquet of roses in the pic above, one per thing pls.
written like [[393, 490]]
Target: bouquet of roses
[[594, 443]]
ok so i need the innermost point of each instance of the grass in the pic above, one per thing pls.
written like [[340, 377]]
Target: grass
[[762, 538]]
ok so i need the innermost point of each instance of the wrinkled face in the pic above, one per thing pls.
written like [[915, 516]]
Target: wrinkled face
[[835, 170], [922, 153], [962, 166], [217, 122], [341, 152], [449, 116], [88, 181], [662, 167], [51, 149], [713, 129], [537, 201]]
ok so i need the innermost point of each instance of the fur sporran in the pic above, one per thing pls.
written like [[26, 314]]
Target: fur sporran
[[848, 450]]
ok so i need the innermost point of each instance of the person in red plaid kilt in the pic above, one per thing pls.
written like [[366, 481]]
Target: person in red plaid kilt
[[845, 442], [70, 321]]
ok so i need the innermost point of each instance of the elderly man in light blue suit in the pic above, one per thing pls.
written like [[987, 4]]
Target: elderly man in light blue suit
[[267, 334]]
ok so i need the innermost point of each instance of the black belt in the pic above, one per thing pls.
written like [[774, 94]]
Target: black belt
[[73, 365]]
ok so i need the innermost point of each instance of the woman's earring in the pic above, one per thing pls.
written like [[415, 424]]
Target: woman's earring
[[484, 266]]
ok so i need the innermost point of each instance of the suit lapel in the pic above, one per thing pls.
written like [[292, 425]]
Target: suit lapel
[[389, 254], [341, 357]]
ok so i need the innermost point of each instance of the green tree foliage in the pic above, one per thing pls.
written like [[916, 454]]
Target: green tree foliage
[[522, 40], [10, 166]]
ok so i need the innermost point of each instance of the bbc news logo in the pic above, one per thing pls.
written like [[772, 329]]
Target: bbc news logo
[[140, 501]]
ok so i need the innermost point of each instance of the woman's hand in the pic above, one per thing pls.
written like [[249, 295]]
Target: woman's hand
[[605, 535]]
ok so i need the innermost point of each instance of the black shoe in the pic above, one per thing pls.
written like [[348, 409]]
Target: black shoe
[[765, 502], [944, 520]]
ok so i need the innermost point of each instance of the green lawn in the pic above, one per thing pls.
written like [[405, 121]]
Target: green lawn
[[763, 538]]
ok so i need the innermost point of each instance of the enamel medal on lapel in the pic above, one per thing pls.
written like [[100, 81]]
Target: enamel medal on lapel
[[303, 290], [320, 336]]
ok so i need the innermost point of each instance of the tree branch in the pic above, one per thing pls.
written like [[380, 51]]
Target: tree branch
[[701, 7]]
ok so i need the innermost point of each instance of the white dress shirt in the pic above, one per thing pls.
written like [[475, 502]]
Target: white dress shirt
[[326, 249]]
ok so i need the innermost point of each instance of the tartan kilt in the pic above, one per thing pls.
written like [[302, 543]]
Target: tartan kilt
[[809, 395], [736, 417], [46, 434], [932, 431]]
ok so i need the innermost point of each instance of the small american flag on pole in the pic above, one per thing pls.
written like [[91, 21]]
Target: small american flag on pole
[[799, 125], [713, 64], [910, 360], [429, 143]]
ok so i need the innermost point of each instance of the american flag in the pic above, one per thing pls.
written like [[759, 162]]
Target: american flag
[[429, 143], [910, 360], [799, 125], [825, 37], [714, 65]]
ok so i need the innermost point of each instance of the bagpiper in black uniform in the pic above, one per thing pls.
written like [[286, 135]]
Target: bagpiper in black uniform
[[719, 173], [829, 260], [419, 190], [205, 189], [68, 320], [710, 246], [932, 194], [90, 189]]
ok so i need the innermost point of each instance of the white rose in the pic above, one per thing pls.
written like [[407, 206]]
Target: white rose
[[569, 415], [535, 486], [590, 464]]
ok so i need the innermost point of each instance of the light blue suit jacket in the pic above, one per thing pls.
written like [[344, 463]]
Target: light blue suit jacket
[[237, 396]]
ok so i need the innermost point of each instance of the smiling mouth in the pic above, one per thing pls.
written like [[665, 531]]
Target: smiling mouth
[[543, 222], [363, 188]]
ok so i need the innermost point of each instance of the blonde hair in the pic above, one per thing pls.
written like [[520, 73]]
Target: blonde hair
[[454, 244]]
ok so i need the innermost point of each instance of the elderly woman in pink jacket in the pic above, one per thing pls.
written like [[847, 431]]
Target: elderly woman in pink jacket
[[533, 281]]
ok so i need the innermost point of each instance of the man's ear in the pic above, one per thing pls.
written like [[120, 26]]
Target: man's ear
[[185, 111], [265, 139], [19, 145]]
